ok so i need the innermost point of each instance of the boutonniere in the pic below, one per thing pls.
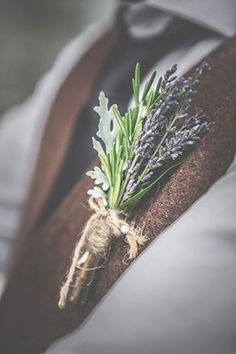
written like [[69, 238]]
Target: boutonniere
[[136, 151]]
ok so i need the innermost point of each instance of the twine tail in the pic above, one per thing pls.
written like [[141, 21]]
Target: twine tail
[[93, 246], [135, 240], [79, 259], [87, 255]]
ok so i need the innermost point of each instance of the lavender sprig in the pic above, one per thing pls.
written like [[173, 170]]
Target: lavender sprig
[[168, 131]]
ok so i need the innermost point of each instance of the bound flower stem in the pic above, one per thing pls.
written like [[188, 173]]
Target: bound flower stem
[[102, 228], [83, 278]]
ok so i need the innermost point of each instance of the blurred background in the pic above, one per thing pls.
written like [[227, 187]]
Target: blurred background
[[32, 33]]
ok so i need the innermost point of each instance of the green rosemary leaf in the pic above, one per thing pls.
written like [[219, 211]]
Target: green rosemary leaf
[[134, 115], [137, 74], [106, 168], [136, 83], [110, 196], [128, 119], [112, 160], [157, 90], [136, 96], [120, 165], [135, 198], [138, 123], [118, 159], [137, 77], [148, 85], [116, 190], [126, 124], [118, 142], [126, 149], [150, 99], [120, 122]]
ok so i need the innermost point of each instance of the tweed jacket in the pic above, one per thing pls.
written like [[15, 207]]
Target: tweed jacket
[[28, 308]]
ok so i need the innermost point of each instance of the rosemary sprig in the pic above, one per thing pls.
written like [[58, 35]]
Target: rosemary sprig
[[138, 149]]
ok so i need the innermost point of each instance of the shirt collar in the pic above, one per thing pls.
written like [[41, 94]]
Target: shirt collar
[[217, 15]]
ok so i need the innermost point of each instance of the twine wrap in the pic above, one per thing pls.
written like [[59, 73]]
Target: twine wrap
[[101, 229]]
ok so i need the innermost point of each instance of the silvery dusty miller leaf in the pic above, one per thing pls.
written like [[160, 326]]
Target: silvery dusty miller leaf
[[97, 192], [108, 126], [100, 177]]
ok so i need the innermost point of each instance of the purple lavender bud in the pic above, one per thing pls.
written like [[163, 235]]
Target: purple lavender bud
[[173, 140]]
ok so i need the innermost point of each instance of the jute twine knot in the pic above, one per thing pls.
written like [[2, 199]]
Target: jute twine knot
[[101, 229]]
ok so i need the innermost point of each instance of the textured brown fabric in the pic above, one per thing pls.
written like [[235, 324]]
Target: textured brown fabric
[[69, 101], [29, 317]]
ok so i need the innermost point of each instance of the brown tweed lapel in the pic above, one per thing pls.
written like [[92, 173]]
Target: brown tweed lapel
[[69, 101], [29, 317]]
